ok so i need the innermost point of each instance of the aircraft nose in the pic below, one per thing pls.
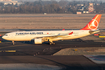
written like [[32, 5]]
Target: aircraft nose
[[3, 37]]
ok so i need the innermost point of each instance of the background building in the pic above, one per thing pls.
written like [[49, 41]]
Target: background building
[[6, 2], [91, 7]]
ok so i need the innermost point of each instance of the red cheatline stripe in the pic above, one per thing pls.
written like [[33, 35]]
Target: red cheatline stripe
[[70, 33]]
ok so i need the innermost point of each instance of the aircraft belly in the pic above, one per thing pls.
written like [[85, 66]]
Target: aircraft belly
[[27, 38], [21, 38]]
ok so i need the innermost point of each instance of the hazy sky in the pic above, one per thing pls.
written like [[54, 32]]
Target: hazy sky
[[59, 0], [64, 0]]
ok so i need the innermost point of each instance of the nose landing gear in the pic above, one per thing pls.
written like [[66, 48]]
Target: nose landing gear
[[13, 42]]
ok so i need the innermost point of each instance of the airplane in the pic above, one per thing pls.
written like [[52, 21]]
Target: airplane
[[49, 36]]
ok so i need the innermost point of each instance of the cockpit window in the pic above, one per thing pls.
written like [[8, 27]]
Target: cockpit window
[[5, 35]]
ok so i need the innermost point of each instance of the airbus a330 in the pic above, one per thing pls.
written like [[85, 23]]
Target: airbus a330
[[42, 36]]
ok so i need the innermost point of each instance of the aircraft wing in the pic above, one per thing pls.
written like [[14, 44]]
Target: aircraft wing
[[59, 36]]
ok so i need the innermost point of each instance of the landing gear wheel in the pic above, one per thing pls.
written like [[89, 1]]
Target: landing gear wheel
[[52, 43]]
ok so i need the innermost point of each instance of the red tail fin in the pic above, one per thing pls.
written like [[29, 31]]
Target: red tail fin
[[93, 24]]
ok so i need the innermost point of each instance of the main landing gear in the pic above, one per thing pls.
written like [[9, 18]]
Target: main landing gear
[[51, 42]]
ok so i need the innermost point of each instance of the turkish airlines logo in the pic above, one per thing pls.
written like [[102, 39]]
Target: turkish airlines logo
[[93, 25]]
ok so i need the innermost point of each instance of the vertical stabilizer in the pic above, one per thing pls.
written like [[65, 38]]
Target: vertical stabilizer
[[93, 24]]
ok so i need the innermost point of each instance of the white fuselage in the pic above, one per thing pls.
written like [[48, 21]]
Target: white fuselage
[[30, 35]]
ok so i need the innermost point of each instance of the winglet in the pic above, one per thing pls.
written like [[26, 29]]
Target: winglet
[[93, 24]]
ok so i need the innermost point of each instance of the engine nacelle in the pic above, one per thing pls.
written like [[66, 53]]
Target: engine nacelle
[[38, 41]]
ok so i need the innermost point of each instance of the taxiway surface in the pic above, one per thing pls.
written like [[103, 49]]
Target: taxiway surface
[[30, 49], [43, 54]]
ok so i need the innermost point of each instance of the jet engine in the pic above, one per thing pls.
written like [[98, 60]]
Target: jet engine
[[38, 41]]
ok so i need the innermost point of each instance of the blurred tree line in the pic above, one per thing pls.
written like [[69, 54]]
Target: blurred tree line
[[47, 7], [37, 7], [100, 8]]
